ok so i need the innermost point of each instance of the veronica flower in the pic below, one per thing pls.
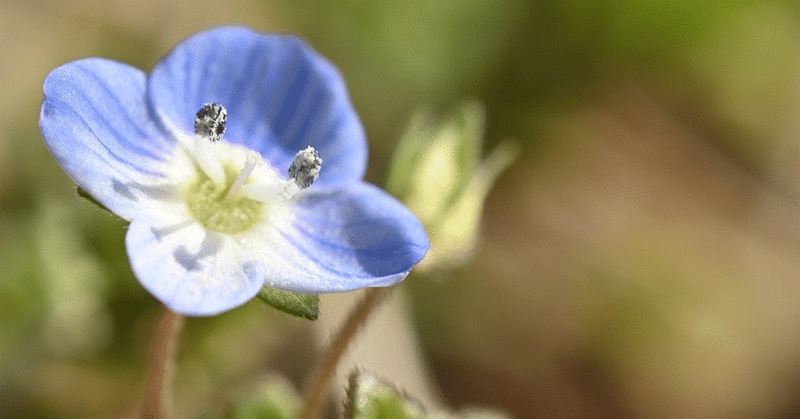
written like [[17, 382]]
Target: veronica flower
[[238, 161]]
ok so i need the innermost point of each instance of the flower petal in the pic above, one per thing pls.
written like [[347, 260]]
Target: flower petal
[[191, 270], [281, 96], [344, 240], [96, 122]]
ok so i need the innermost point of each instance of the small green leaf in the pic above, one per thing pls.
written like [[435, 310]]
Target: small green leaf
[[293, 303], [371, 398], [85, 195]]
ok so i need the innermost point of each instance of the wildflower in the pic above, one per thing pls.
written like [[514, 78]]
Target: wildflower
[[238, 161]]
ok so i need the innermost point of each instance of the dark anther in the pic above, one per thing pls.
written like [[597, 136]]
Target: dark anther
[[210, 121], [305, 167]]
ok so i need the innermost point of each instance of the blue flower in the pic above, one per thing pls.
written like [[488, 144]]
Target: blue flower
[[238, 162]]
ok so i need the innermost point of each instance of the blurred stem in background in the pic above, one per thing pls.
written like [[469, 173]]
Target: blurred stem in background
[[316, 394], [157, 402]]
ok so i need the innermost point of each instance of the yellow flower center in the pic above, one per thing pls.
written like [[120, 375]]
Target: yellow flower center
[[233, 188], [210, 204]]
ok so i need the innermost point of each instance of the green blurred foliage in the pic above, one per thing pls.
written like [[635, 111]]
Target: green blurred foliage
[[275, 398]]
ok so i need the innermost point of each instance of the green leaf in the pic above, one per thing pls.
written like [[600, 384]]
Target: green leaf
[[293, 303], [85, 195], [371, 398]]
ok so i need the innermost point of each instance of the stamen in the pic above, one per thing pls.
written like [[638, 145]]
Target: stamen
[[208, 159], [209, 124], [249, 164], [305, 167], [210, 121], [302, 172]]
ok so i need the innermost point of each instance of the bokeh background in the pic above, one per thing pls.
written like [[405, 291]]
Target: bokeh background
[[641, 258]]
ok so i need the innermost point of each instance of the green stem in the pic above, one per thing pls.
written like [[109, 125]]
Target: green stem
[[316, 393], [157, 403]]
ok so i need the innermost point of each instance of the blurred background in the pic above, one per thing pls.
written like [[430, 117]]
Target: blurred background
[[640, 259]]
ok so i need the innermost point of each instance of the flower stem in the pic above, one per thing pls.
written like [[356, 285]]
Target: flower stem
[[316, 393], [157, 402]]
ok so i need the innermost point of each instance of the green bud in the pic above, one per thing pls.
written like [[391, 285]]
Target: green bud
[[293, 303], [438, 173], [433, 160], [455, 235], [371, 398]]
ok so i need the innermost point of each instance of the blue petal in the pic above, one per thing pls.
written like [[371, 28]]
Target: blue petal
[[281, 96], [192, 271], [95, 121], [348, 239]]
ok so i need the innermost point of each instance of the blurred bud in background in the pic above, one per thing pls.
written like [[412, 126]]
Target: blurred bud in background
[[273, 397], [438, 172]]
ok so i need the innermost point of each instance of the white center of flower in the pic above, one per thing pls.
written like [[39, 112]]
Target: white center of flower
[[234, 188]]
